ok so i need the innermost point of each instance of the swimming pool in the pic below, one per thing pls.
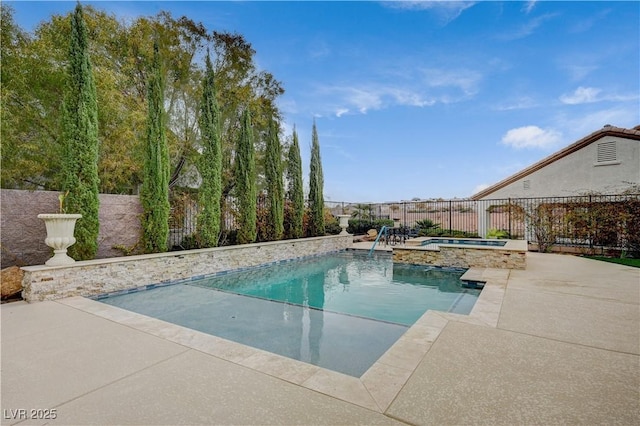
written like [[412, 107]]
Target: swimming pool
[[340, 311]]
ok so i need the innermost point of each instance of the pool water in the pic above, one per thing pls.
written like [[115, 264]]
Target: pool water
[[340, 311], [350, 283]]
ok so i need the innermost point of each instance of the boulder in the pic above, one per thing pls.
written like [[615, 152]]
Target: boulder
[[371, 235], [11, 281]]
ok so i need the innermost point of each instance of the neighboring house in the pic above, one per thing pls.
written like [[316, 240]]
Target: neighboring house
[[605, 162]]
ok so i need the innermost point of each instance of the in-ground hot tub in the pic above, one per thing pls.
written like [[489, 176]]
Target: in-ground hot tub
[[463, 252]]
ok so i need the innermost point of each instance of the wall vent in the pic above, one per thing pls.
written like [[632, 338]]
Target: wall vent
[[606, 152], [526, 184]]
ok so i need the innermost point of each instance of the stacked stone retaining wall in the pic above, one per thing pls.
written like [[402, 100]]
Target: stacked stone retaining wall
[[462, 257], [95, 277]]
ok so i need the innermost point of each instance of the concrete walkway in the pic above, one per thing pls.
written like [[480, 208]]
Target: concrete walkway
[[556, 343]]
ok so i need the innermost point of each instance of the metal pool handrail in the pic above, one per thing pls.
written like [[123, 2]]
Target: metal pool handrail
[[382, 230]]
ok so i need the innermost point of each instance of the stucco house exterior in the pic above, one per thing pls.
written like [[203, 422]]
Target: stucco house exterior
[[605, 162]]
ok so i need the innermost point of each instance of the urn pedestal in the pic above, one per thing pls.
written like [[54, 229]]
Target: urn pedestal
[[344, 223], [60, 237]]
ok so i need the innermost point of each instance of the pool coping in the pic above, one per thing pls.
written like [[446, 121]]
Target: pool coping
[[376, 389], [509, 245]]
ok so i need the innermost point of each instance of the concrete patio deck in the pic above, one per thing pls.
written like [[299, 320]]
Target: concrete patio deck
[[558, 342]]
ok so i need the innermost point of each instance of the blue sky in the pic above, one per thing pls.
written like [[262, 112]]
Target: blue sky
[[428, 99]]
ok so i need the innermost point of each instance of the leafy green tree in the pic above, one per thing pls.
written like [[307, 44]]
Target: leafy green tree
[[210, 162], [179, 40], [80, 135], [240, 85], [123, 113], [295, 194], [316, 186], [33, 76], [154, 194], [275, 185], [245, 177], [362, 211], [33, 82]]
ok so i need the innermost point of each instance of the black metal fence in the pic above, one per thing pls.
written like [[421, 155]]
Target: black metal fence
[[450, 215], [596, 223]]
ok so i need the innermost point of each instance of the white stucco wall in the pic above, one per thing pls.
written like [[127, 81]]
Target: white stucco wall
[[577, 174]]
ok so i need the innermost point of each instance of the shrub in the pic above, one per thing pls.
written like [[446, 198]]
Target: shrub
[[332, 227], [633, 228], [360, 226], [189, 242], [454, 233], [498, 233], [427, 225], [228, 237]]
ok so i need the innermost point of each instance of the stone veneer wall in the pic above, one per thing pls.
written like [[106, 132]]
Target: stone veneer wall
[[94, 277], [462, 257], [23, 233]]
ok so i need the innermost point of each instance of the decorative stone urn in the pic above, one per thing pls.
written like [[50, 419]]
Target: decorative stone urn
[[396, 222], [344, 223], [60, 237]]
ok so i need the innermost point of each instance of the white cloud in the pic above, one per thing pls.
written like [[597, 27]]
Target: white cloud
[[531, 137], [579, 72], [528, 28], [319, 49], [528, 7], [586, 124], [418, 87], [287, 105], [583, 25], [338, 150], [524, 102], [465, 80], [480, 187], [585, 95], [409, 98], [446, 11], [581, 95], [365, 98]]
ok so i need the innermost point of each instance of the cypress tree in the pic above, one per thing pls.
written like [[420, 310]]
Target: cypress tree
[[210, 163], [295, 192], [316, 184], [245, 176], [275, 186], [154, 194], [80, 135]]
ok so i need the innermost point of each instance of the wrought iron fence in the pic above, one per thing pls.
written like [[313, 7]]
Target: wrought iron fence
[[591, 222], [449, 215]]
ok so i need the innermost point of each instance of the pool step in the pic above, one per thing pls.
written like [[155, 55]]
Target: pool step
[[473, 284], [473, 278]]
